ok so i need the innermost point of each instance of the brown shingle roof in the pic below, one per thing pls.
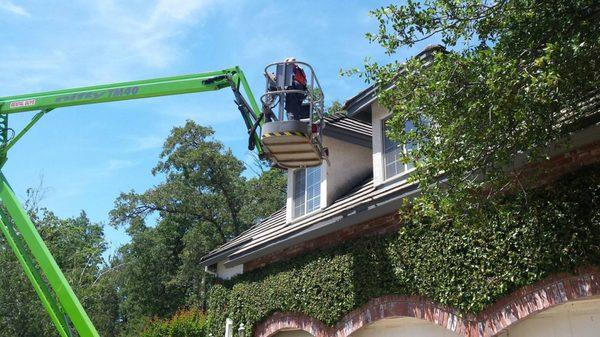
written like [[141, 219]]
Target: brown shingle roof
[[275, 231], [340, 120], [364, 202]]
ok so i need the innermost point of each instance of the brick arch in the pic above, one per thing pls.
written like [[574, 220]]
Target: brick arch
[[391, 306], [516, 307], [291, 321]]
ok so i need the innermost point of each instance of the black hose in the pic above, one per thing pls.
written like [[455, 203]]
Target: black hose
[[252, 131]]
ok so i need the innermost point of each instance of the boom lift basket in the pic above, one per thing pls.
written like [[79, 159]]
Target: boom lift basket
[[292, 142]]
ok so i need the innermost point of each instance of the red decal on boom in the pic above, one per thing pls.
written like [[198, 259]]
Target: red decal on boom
[[20, 104]]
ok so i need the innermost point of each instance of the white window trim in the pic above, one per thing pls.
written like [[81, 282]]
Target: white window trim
[[322, 188], [398, 176], [305, 216]]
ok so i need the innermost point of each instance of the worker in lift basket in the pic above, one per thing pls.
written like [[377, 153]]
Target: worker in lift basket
[[293, 101]]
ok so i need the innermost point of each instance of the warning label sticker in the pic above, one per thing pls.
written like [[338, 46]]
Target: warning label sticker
[[20, 104]]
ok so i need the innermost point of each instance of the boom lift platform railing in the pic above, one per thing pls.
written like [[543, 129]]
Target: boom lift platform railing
[[293, 143]]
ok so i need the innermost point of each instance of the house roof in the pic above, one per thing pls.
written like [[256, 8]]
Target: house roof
[[337, 125], [361, 102], [352, 130], [342, 121], [363, 203], [587, 113]]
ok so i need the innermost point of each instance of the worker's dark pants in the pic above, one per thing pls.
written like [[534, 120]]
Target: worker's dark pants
[[293, 104]]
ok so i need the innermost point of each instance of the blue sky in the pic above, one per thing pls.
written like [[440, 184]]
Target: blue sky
[[88, 155]]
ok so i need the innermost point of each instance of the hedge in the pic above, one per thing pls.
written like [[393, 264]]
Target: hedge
[[552, 229], [188, 323]]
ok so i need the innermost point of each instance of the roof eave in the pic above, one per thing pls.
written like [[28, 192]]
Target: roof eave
[[356, 215], [210, 259], [361, 102], [348, 136]]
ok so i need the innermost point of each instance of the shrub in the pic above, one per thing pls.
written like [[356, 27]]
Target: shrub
[[555, 229], [187, 323]]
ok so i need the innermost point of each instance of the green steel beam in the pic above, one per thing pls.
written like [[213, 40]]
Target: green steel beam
[[164, 86], [29, 125], [246, 87], [66, 297], [57, 296], [240, 81]]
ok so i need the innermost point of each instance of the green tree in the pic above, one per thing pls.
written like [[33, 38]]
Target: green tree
[[334, 107], [77, 245], [190, 323], [203, 201], [517, 74]]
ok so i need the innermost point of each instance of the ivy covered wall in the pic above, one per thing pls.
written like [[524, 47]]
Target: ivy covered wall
[[548, 230]]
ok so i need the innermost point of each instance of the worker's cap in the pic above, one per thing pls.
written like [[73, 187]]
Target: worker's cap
[[290, 59]]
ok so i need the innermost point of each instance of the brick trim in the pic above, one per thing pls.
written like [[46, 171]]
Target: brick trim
[[516, 307], [543, 173], [383, 225]]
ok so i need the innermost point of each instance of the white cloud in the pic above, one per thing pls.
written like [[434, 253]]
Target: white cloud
[[142, 143], [33, 70], [10, 7], [107, 41], [148, 35], [118, 164]]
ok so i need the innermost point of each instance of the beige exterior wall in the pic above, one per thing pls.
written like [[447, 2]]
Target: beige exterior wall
[[293, 333], [348, 165], [378, 114], [403, 327], [227, 273], [575, 319]]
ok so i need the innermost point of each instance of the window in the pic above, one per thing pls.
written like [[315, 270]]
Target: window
[[307, 190], [393, 154]]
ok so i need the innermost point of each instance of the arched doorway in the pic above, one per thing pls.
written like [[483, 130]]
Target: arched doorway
[[292, 333], [573, 319], [403, 327]]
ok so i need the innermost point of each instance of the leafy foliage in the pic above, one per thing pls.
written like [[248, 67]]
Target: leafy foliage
[[204, 201], [334, 107], [517, 70], [189, 323], [77, 245], [467, 267]]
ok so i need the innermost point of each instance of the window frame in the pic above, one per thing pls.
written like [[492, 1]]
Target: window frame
[[408, 167], [316, 198]]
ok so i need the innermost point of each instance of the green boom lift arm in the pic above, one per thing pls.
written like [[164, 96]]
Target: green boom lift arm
[[57, 296]]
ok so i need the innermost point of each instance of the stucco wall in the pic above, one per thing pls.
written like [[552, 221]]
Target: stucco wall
[[293, 333], [576, 319], [348, 165], [378, 114], [403, 327], [227, 273]]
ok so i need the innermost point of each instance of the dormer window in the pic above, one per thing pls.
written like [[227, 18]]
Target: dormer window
[[307, 191], [394, 153]]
